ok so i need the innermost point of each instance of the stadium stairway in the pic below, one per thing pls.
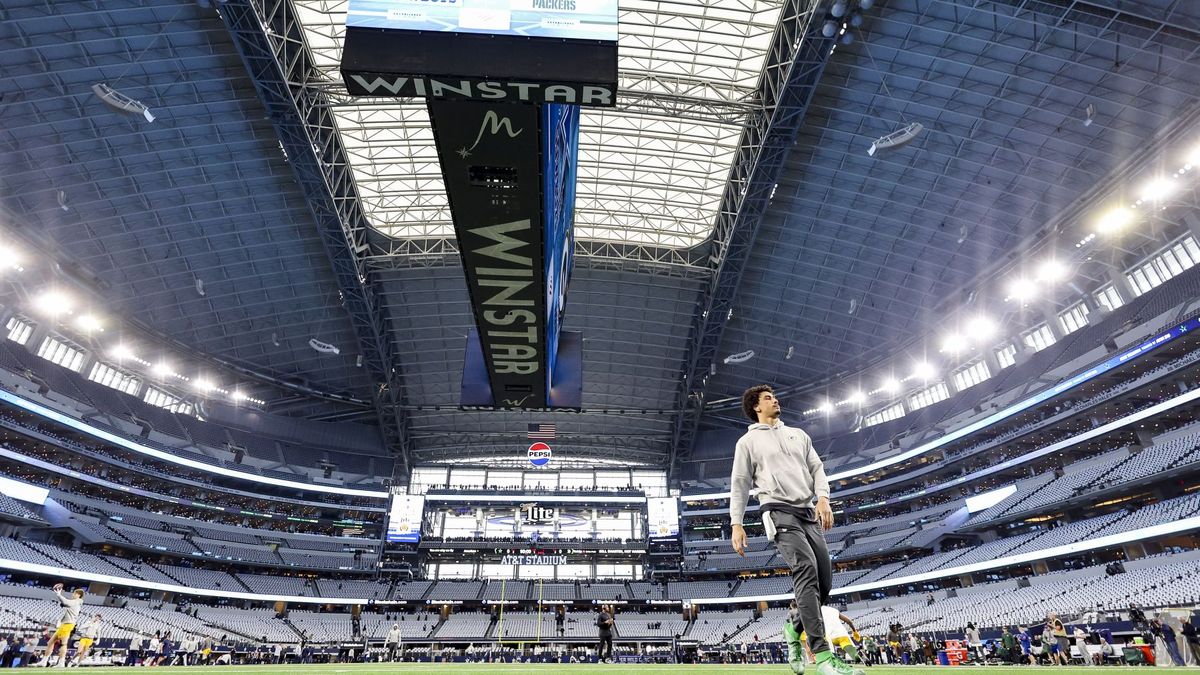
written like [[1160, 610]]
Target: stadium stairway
[[288, 622], [693, 623]]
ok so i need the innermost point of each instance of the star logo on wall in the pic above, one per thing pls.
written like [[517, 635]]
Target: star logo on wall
[[463, 152]]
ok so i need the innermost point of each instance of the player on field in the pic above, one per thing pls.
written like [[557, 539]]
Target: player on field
[[793, 494], [394, 638], [71, 605], [836, 624], [88, 634]]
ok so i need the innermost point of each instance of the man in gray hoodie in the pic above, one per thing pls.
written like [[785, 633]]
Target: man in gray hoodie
[[793, 494]]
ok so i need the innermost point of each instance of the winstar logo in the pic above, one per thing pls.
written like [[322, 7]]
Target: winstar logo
[[378, 84]]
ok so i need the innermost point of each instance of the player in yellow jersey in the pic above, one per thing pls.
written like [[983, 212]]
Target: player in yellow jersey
[[836, 624], [71, 605], [88, 634]]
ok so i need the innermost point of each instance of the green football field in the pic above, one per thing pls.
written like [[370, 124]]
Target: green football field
[[482, 669]]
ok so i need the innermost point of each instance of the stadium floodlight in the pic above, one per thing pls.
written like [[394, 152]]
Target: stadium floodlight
[[825, 407], [54, 303], [89, 323], [923, 370], [162, 369], [980, 328], [856, 397], [203, 385], [954, 343], [237, 395], [122, 353], [1193, 158], [1022, 289], [1052, 270], [1158, 189], [890, 385], [1114, 220], [9, 258]]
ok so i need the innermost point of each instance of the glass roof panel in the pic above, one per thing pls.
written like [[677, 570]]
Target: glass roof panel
[[647, 173]]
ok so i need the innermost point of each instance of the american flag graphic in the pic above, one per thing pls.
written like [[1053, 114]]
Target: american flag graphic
[[541, 432]]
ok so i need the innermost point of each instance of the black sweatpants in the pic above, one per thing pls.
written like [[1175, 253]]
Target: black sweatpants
[[802, 545], [605, 640]]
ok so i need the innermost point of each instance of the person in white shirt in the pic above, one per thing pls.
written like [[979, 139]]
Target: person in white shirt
[[153, 650], [88, 634], [394, 639], [71, 605]]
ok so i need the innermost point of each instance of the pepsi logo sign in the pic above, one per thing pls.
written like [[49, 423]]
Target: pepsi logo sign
[[539, 454]]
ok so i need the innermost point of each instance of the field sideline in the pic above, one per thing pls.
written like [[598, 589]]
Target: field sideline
[[623, 668]]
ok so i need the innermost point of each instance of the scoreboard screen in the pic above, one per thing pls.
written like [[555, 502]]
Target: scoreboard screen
[[662, 515], [404, 519], [565, 19]]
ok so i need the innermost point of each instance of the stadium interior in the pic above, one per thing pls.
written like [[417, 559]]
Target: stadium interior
[[959, 238]]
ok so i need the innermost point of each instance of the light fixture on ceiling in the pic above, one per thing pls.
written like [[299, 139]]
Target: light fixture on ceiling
[[9, 258], [323, 347], [896, 138], [890, 385], [161, 369], [54, 303], [119, 101], [856, 397], [954, 343], [122, 353], [740, 357], [923, 370], [89, 323], [1114, 221], [980, 328], [1022, 289], [1158, 189], [1052, 271]]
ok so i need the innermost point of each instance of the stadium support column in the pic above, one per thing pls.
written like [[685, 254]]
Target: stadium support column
[[1023, 351], [1134, 550], [993, 363], [1193, 222], [1117, 277], [1050, 315], [1145, 439]]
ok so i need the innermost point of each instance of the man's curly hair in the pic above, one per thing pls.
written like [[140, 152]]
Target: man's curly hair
[[750, 399]]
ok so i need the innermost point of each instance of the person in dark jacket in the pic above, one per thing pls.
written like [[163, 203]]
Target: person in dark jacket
[[604, 622]]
